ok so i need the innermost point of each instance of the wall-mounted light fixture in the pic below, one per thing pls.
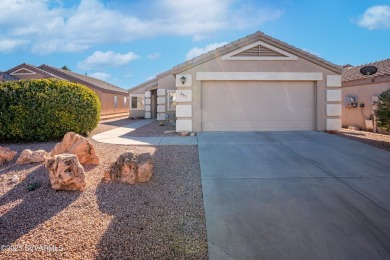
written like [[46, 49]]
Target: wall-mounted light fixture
[[183, 80]]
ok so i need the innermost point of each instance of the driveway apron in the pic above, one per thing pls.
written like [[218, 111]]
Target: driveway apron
[[294, 195]]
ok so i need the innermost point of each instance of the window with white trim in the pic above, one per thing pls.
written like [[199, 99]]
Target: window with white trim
[[137, 102], [171, 95], [115, 101], [124, 102]]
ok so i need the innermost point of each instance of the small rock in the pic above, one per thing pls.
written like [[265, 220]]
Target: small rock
[[66, 172], [161, 124], [28, 156], [145, 167], [130, 168], [15, 179], [76, 144], [6, 154], [184, 133]]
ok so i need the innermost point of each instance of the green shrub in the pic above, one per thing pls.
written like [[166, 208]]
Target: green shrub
[[46, 109], [383, 111]]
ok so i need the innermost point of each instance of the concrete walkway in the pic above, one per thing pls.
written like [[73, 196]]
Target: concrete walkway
[[294, 195], [118, 136]]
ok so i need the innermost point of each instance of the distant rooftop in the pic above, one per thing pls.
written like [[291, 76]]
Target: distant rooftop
[[83, 79], [353, 73]]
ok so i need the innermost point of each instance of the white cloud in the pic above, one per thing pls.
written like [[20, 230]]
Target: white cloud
[[106, 59], [154, 56], [50, 27], [9, 45], [376, 17], [100, 75], [194, 52]]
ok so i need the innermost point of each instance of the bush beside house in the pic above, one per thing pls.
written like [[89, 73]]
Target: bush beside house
[[383, 110], [46, 109]]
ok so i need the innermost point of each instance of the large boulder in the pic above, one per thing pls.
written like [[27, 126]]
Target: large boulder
[[6, 154], [131, 168], [66, 172], [76, 144], [28, 156]]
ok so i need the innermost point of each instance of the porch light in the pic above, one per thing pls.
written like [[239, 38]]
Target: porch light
[[183, 80]]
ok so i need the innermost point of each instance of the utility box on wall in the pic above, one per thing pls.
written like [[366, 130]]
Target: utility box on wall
[[351, 102]]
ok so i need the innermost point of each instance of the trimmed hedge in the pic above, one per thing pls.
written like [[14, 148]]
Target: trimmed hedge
[[46, 109], [383, 110]]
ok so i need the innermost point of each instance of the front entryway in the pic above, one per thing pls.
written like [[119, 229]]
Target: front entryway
[[154, 103]]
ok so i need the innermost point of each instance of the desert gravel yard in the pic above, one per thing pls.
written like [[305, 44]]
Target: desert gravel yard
[[161, 219], [380, 141], [154, 129]]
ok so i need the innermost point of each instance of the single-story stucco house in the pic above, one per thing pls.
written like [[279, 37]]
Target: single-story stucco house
[[360, 93], [256, 83], [113, 99]]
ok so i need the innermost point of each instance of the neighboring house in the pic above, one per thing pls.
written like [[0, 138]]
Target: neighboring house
[[7, 77], [360, 93], [113, 99], [256, 83]]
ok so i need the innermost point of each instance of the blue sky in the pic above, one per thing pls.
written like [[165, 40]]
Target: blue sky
[[129, 42]]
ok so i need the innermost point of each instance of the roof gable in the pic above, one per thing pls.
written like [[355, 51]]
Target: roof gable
[[23, 71], [270, 48], [259, 50], [26, 69], [266, 41]]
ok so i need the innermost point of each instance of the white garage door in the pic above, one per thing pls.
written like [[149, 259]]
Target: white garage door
[[257, 106]]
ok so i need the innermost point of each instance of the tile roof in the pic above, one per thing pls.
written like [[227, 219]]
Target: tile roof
[[236, 45], [83, 79], [353, 73]]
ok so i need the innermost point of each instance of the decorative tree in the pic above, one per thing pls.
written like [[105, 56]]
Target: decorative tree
[[65, 68], [383, 110]]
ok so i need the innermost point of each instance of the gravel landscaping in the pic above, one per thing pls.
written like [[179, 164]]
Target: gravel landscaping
[[380, 141], [154, 129], [161, 219]]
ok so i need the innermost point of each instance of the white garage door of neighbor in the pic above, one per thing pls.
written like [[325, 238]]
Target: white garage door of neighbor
[[257, 106]]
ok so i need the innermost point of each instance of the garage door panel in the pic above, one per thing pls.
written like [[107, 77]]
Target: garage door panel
[[253, 101], [266, 95], [257, 106], [254, 113], [257, 126]]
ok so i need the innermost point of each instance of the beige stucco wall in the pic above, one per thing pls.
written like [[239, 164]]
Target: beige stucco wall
[[107, 101], [219, 65], [364, 90]]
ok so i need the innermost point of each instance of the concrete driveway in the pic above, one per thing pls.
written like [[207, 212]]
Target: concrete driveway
[[294, 195]]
